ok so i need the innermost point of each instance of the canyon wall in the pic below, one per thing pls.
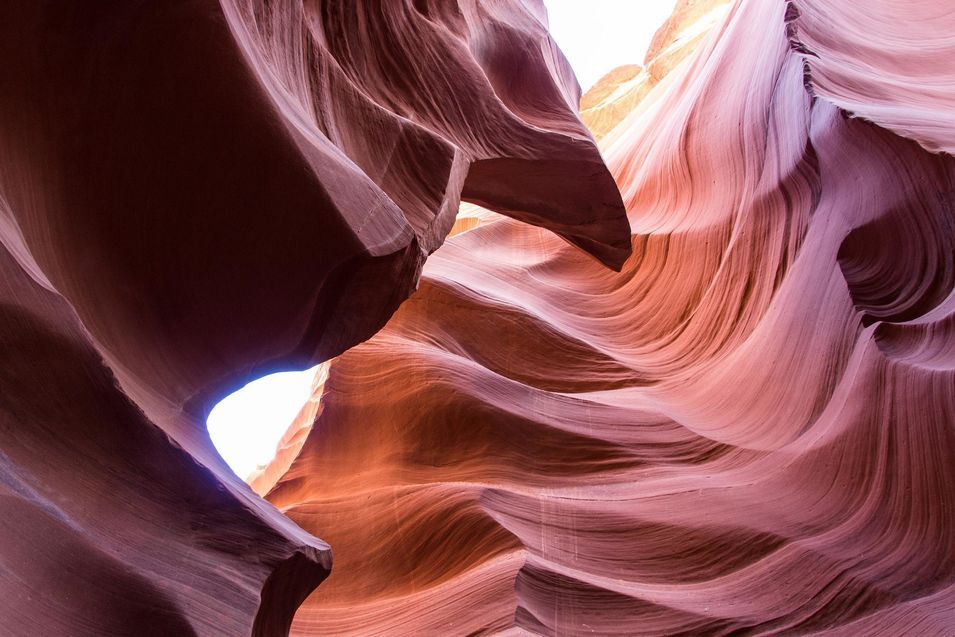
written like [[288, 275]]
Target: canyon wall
[[746, 431], [742, 425], [196, 193]]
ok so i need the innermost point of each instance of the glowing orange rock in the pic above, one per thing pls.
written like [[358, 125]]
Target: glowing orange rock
[[748, 429]]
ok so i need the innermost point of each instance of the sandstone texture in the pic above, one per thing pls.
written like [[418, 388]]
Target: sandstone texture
[[195, 193], [698, 379], [746, 431]]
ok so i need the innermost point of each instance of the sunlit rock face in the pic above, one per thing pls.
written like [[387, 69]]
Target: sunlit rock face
[[746, 431], [193, 194], [618, 94]]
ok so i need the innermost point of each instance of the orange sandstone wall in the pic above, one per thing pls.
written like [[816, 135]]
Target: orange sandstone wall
[[746, 431]]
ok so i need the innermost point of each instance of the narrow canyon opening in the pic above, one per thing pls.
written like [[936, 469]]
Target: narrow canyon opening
[[247, 425]]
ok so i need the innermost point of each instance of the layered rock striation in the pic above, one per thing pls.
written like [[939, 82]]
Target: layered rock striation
[[195, 193], [746, 431]]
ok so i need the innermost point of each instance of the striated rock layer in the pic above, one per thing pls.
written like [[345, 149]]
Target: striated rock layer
[[746, 431], [194, 193]]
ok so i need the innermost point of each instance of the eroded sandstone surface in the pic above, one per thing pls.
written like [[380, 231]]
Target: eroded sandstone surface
[[195, 193], [746, 431]]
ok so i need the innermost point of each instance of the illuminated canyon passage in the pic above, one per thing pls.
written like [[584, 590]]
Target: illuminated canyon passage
[[672, 357]]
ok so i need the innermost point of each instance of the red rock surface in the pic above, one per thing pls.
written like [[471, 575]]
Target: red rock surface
[[195, 193], [746, 431]]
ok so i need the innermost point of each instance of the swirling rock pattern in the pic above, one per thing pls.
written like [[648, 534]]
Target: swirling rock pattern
[[904, 81], [746, 431], [194, 193]]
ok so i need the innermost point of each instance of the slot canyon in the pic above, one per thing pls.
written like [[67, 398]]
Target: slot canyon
[[671, 356]]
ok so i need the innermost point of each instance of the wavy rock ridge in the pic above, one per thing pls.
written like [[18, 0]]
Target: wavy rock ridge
[[195, 193], [746, 431]]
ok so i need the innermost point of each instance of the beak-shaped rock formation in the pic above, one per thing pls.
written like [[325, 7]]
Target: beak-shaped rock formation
[[193, 193], [747, 429]]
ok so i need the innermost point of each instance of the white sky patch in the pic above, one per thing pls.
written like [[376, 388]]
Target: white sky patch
[[597, 36], [246, 426]]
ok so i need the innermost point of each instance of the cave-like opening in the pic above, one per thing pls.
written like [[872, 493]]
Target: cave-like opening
[[247, 425]]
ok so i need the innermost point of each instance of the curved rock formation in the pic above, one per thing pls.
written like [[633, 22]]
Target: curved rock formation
[[746, 431], [904, 81], [194, 193], [107, 527]]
